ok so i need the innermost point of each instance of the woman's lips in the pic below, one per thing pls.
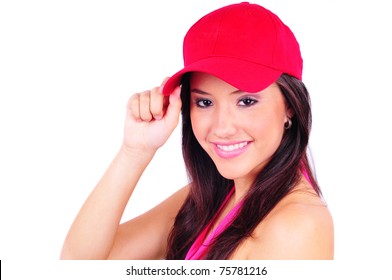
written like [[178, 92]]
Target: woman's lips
[[230, 150]]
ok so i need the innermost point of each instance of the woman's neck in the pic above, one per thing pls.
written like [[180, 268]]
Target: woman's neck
[[242, 187]]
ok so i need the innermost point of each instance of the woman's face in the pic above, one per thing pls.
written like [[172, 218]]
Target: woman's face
[[240, 131]]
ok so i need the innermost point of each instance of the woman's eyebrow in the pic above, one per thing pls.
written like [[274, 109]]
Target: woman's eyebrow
[[196, 90], [238, 91]]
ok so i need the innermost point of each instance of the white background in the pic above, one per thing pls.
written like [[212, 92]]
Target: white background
[[67, 69]]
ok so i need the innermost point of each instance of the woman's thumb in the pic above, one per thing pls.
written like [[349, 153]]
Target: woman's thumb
[[174, 108]]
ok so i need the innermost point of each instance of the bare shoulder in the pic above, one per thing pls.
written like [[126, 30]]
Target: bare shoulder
[[299, 227]]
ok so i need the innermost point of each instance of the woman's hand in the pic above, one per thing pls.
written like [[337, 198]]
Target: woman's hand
[[150, 119]]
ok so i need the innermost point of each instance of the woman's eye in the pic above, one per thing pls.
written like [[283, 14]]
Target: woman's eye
[[247, 101], [203, 103]]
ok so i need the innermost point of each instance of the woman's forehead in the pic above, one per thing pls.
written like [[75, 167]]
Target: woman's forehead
[[205, 83]]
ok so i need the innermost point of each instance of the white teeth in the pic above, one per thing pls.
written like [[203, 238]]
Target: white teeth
[[231, 148]]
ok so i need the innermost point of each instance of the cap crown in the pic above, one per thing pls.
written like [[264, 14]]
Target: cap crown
[[247, 32]]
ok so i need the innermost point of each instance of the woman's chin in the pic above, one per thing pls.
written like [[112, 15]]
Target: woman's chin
[[230, 174]]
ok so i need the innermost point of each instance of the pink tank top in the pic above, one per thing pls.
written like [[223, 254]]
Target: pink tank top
[[200, 246]]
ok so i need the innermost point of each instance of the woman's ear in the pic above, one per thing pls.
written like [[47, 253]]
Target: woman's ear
[[289, 112]]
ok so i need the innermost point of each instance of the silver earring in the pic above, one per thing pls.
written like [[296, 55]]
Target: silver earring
[[288, 124]]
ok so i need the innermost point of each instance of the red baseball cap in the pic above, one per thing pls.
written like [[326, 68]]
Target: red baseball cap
[[243, 44]]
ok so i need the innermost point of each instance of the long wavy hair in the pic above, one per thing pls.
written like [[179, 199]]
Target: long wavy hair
[[209, 188]]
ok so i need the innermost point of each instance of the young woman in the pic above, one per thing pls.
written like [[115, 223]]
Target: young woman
[[246, 121]]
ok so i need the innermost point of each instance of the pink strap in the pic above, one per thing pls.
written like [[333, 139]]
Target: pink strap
[[201, 244], [306, 175]]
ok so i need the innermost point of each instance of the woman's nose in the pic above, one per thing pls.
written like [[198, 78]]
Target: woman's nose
[[224, 124]]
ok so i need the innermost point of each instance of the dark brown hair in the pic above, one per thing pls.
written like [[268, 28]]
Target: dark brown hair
[[208, 188]]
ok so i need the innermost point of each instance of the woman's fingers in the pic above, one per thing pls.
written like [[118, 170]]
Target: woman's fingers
[[174, 106], [157, 103], [133, 107], [147, 105], [144, 106], [153, 105]]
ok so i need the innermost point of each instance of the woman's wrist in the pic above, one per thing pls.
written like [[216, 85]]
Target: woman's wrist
[[135, 155]]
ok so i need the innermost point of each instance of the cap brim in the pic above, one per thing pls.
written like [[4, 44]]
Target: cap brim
[[241, 74]]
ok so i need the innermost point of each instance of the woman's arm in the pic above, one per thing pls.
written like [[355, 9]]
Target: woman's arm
[[149, 122], [145, 237]]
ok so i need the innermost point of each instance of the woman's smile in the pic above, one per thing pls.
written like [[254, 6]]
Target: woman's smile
[[230, 150]]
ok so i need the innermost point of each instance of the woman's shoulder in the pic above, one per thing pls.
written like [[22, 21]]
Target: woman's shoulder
[[299, 227]]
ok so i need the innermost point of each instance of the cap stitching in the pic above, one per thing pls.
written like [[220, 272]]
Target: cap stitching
[[217, 32], [276, 32]]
